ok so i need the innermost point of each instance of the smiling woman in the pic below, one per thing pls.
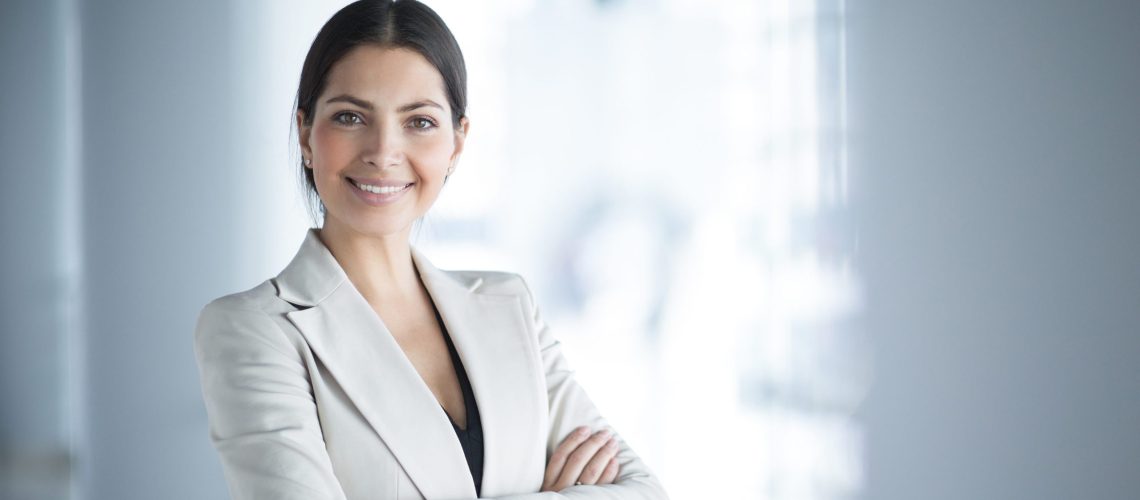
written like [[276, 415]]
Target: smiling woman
[[381, 140], [363, 371]]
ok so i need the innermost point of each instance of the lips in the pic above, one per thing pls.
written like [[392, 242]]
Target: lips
[[380, 186], [378, 193]]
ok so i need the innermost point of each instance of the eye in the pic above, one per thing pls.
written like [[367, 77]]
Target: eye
[[348, 118], [422, 123]]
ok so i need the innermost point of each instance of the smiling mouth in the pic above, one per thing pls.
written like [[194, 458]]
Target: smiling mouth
[[387, 189]]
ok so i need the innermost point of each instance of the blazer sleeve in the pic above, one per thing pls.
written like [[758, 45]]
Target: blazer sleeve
[[263, 418], [570, 408]]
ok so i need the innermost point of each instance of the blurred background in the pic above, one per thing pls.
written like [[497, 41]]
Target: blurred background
[[797, 249]]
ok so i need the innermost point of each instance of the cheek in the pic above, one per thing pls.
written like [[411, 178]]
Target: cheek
[[329, 153], [434, 155], [330, 146]]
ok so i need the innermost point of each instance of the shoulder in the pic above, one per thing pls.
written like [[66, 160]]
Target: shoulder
[[491, 282], [249, 314], [498, 284], [258, 300]]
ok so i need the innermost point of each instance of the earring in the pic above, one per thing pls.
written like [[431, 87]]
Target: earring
[[308, 162]]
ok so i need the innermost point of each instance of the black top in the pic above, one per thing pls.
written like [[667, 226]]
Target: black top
[[471, 438]]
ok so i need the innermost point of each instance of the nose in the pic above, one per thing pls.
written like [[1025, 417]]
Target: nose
[[385, 147]]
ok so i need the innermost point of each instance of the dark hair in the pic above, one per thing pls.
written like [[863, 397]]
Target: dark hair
[[393, 23]]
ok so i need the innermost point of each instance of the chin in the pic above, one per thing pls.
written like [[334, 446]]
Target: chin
[[368, 225], [383, 229]]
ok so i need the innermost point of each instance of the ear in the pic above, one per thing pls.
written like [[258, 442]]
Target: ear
[[303, 132], [460, 138]]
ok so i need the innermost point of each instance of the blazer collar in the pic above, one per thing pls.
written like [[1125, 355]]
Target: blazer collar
[[490, 334], [312, 275]]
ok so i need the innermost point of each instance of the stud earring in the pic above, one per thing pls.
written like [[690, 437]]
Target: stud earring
[[308, 162]]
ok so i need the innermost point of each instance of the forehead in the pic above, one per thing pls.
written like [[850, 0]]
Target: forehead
[[385, 75]]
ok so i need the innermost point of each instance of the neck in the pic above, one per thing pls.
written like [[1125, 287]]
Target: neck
[[380, 267]]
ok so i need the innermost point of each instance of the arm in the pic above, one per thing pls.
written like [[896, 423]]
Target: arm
[[570, 407], [263, 418]]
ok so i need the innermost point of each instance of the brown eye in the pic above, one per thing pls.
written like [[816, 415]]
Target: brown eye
[[422, 123], [348, 118]]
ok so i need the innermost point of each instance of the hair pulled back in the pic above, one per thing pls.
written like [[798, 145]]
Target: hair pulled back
[[406, 24]]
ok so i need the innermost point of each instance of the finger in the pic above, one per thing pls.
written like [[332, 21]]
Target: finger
[[579, 457], [558, 458], [610, 473], [599, 462]]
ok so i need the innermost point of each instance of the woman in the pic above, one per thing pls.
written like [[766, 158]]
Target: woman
[[362, 371]]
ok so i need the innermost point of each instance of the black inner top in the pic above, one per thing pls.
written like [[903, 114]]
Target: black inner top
[[471, 438]]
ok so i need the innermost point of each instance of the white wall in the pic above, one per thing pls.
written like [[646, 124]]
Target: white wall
[[995, 146]]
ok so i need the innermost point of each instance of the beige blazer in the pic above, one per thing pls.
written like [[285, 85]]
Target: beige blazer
[[309, 396]]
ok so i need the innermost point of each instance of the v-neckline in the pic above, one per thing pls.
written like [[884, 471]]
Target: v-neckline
[[460, 376]]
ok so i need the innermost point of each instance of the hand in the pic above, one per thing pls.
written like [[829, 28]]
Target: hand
[[582, 459]]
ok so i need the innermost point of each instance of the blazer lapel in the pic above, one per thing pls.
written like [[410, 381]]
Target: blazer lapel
[[358, 350], [492, 337]]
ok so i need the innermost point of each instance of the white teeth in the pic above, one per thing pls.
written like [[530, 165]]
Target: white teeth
[[379, 189]]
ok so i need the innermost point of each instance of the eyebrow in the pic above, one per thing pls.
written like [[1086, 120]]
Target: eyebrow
[[356, 101]]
